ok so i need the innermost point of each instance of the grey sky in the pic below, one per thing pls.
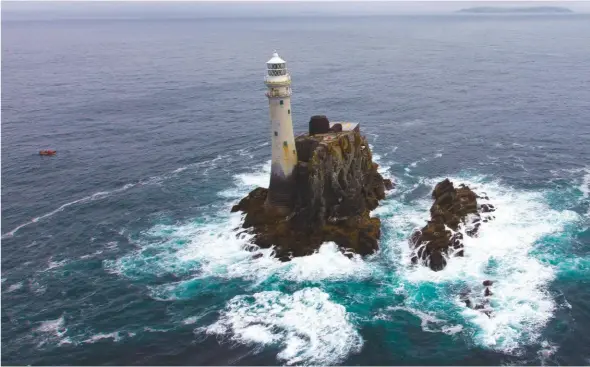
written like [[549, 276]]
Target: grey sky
[[23, 9]]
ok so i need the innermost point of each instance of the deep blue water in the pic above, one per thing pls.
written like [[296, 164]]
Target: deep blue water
[[121, 249]]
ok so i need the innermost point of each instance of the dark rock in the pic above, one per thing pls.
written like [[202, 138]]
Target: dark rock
[[318, 124], [388, 184], [450, 209], [336, 128], [487, 283], [464, 297], [487, 208], [337, 185], [483, 304], [257, 256], [472, 232], [484, 196]]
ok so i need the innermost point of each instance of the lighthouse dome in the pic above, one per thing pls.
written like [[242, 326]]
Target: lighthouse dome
[[276, 67], [276, 59]]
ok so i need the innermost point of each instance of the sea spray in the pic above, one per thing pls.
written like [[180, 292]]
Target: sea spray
[[308, 327]]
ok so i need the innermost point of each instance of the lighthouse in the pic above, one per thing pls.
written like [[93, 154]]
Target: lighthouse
[[284, 153]]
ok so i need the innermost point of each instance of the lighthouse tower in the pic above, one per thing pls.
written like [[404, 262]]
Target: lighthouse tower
[[284, 154]]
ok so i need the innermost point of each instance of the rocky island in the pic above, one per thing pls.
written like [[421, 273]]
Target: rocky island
[[323, 184], [336, 185], [441, 237]]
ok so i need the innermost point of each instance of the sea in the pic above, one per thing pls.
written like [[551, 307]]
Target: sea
[[121, 249]]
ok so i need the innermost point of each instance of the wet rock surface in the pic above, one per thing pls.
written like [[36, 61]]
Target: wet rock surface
[[441, 238], [477, 302], [337, 185]]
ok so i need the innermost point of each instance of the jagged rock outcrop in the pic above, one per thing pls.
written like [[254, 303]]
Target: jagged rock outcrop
[[441, 237], [337, 185]]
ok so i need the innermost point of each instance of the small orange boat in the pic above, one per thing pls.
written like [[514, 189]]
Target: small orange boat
[[47, 152]]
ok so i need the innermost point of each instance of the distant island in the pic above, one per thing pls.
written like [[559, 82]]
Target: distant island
[[512, 10]]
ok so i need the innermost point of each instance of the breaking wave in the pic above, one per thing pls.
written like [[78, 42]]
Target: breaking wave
[[214, 246], [307, 326], [508, 250]]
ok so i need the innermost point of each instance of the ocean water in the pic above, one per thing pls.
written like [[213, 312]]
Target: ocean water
[[122, 250]]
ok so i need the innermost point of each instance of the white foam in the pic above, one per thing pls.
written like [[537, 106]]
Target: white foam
[[245, 182], [308, 327], [452, 330], [52, 326], [84, 257], [521, 304], [258, 178], [154, 330], [424, 317], [216, 250], [327, 263], [52, 329], [55, 264], [546, 352], [429, 322], [66, 340], [115, 336], [421, 160], [14, 287], [190, 320]]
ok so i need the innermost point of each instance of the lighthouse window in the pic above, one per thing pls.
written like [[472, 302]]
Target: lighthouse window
[[281, 103], [288, 112], [277, 72], [276, 66], [276, 133], [285, 144]]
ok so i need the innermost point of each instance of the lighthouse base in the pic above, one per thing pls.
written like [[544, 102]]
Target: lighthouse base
[[281, 193]]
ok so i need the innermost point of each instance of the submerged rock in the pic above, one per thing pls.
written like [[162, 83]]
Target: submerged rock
[[478, 303], [337, 185], [388, 184], [440, 237]]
